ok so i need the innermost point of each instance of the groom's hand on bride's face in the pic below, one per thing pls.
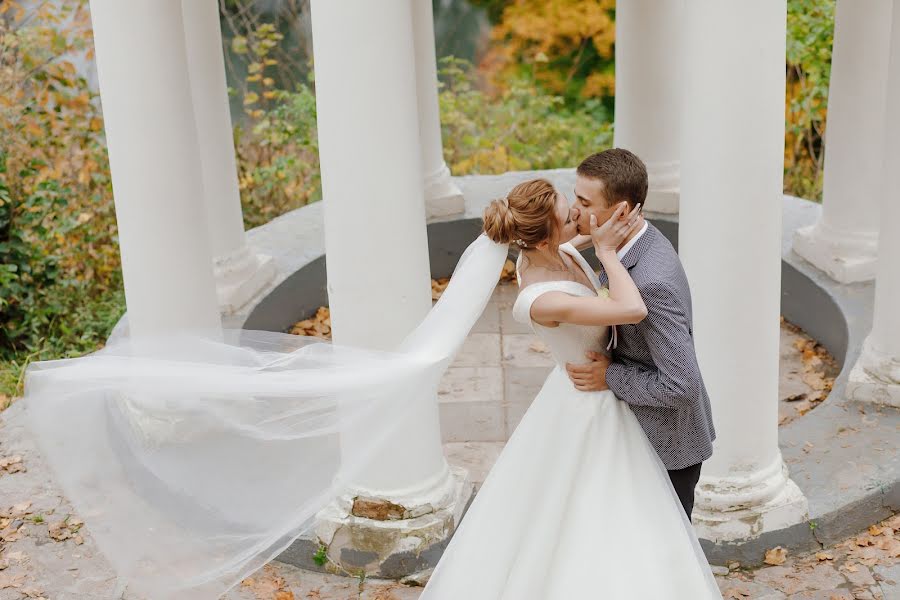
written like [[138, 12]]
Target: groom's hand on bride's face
[[591, 376]]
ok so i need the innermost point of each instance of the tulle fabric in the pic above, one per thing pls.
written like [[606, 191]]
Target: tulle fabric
[[195, 459]]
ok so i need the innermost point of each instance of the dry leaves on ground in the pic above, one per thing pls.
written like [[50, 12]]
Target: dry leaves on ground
[[879, 545], [819, 367], [818, 372], [776, 556], [318, 326], [12, 464], [66, 529], [267, 584], [384, 595], [509, 271], [15, 511], [16, 582], [11, 581], [439, 285], [12, 519], [8, 558]]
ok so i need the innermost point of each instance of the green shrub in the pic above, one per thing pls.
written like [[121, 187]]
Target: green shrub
[[810, 26], [523, 129]]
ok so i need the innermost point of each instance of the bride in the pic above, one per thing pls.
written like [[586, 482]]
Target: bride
[[578, 505], [196, 458]]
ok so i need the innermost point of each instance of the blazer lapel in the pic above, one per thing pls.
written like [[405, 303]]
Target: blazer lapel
[[637, 251]]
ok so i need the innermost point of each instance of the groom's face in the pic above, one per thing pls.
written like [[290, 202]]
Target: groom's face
[[590, 199]]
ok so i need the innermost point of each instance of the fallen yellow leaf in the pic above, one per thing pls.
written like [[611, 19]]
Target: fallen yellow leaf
[[775, 556]]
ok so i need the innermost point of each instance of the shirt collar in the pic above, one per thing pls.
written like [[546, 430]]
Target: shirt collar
[[621, 253]]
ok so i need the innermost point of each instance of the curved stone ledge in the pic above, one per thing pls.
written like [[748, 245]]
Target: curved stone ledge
[[842, 455]]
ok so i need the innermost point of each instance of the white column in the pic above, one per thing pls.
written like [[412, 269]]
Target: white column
[[377, 254], [844, 241], [649, 92], [876, 376], [730, 242], [442, 197], [240, 273], [151, 135]]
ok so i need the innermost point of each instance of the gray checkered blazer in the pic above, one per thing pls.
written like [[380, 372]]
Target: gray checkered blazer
[[654, 365]]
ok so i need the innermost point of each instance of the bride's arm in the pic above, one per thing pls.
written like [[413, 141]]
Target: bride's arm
[[552, 308], [624, 304]]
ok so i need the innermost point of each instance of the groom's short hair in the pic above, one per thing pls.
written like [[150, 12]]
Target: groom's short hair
[[623, 174]]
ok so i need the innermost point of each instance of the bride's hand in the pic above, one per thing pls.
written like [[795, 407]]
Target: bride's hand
[[609, 236]]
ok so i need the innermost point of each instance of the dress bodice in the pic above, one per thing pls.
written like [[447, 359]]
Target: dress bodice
[[567, 342]]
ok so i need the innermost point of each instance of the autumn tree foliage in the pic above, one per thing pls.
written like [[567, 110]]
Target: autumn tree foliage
[[565, 46]]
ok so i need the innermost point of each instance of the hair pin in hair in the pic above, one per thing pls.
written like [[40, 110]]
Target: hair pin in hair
[[520, 242]]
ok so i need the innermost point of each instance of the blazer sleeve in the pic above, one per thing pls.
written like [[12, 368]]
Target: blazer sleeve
[[674, 378]]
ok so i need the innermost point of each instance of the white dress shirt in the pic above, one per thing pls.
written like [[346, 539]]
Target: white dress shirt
[[621, 253]]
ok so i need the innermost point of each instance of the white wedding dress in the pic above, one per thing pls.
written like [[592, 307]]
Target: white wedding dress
[[578, 505]]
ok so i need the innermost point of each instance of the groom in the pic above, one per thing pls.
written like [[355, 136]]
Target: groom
[[653, 366]]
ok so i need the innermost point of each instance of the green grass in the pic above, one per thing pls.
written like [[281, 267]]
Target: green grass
[[81, 325]]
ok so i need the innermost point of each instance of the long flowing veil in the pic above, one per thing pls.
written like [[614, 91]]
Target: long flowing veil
[[194, 460]]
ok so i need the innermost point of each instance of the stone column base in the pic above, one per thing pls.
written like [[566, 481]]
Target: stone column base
[[392, 541], [442, 197], [875, 378], [240, 276], [846, 260], [742, 507]]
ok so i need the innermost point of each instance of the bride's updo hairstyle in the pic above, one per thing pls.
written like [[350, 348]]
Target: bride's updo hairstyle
[[525, 216]]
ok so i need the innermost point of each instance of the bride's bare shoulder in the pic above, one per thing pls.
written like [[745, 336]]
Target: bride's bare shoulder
[[531, 276], [527, 277]]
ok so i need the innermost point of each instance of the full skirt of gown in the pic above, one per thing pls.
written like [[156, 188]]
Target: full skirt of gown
[[578, 505]]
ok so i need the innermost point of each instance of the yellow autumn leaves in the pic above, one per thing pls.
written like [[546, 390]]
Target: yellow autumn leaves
[[568, 45]]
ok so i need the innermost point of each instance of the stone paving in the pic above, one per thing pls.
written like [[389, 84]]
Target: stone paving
[[863, 567], [502, 365], [45, 553]]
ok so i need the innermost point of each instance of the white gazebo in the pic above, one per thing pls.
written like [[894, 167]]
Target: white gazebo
[[700, 96]]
